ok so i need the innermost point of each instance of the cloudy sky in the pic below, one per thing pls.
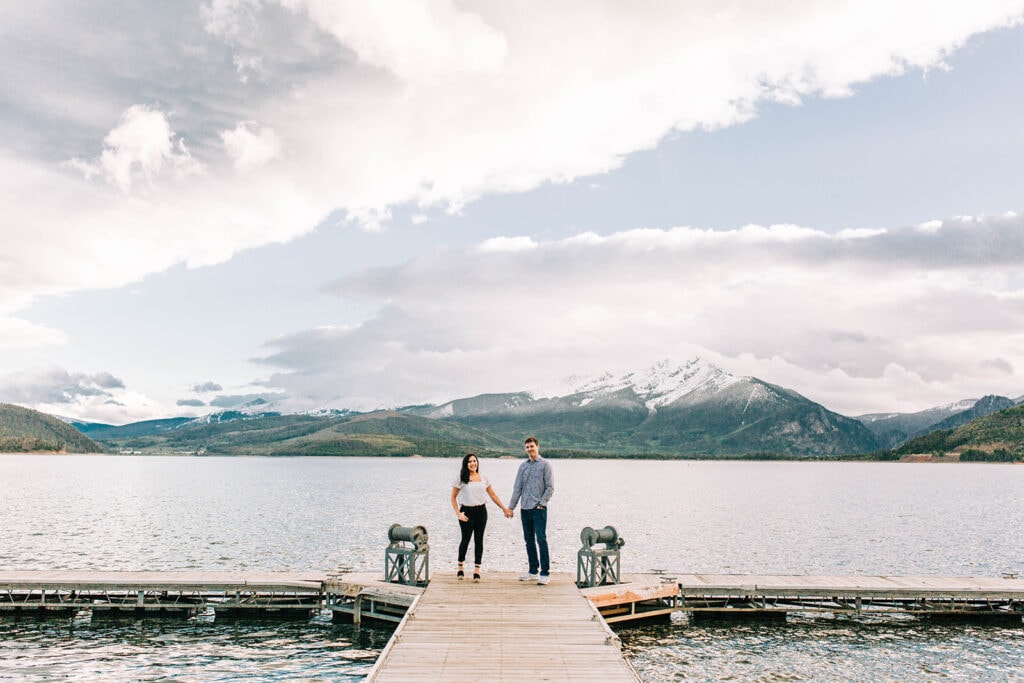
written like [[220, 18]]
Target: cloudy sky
[[364, 205]]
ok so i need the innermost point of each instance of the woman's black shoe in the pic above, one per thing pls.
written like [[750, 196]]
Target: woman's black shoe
[[461, 575]]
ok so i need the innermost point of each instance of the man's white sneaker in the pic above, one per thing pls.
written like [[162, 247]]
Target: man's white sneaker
[[542, 580], [528, 577]]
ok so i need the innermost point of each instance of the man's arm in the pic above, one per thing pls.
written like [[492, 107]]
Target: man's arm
[[549, 484], [517, 489]]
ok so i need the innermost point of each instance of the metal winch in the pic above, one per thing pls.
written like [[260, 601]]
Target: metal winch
[[598, 566], [407, 557]]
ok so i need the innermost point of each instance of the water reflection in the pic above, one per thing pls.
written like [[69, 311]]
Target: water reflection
[[197, 650], [824, 648]]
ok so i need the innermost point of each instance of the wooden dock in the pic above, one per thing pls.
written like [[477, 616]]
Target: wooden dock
[[735, 595], [357, 596], [502, 629], [920, 595], [144, 593]]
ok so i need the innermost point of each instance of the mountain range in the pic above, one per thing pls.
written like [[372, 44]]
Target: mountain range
[[694, 409], [691, 409]]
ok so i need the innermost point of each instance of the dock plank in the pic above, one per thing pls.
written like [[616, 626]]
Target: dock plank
[[502, 630]]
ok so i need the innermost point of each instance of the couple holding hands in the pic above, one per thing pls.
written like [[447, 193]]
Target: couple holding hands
[[535, 483]]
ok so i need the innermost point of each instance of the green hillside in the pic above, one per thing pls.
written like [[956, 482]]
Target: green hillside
[[998, 437], [103, 432], [373, 434], [28, 431]]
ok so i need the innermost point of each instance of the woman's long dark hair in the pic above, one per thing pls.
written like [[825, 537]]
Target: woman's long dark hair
[[464, 474]]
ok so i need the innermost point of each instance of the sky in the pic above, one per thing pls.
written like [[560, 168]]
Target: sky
[[369, 205]]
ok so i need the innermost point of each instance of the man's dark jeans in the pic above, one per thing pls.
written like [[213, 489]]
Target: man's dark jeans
[[535, 533]]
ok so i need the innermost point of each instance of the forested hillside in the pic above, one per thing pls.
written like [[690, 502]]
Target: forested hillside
[[28, 431], [998, 437]]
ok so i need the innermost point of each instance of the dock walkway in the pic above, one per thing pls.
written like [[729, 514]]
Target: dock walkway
[[502, 629]]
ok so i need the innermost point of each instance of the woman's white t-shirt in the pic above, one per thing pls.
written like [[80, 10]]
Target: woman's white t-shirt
[[474, 492]]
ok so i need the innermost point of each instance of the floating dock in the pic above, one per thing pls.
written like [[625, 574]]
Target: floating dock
[[934, 596], [182, 593], [363, 596], [713, 596]]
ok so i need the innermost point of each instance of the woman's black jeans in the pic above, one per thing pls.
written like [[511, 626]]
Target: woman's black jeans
[[477, 516]]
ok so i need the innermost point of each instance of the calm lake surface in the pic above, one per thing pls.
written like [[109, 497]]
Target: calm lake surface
[[176, 513]]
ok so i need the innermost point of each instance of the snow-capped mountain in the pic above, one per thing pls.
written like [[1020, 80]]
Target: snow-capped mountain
[[943, 410], [692, 407], [249, 410], [260, 407], [661, 384]]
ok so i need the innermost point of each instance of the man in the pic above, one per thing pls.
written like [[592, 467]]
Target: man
[[535, 483]]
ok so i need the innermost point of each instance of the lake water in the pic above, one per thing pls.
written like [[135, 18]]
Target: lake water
[[176, 513]]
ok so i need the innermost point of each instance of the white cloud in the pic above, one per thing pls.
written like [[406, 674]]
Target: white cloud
[[16, 333], [250, 145], [53, 385], [856, 322], [142, 146], [443, 103], [246, 66], [228, 18], [511, 244], [71, 234], [420, 41]]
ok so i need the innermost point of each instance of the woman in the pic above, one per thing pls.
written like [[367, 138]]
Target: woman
[[469, 499]]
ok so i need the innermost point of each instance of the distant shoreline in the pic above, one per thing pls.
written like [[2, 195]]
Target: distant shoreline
[[916, 458]]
